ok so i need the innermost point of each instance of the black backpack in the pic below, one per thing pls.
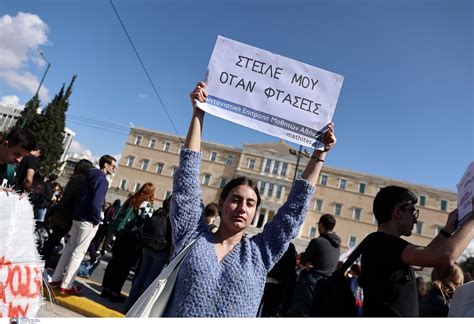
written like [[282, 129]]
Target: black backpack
[[333, 295], [156, 231]]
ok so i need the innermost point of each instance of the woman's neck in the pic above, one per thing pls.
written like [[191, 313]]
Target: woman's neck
[[227, 239]]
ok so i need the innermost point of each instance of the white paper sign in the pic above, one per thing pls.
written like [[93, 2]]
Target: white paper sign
[[270, 93], [21, 268], [465, 193]]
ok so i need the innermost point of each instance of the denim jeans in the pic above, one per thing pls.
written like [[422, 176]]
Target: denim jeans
[[151, 265], [40, 214]]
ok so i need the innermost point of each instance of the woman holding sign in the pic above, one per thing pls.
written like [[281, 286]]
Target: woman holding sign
[[224, 273]]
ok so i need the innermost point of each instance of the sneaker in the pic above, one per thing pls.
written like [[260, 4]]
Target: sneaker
[[72, 291], [54, 284]]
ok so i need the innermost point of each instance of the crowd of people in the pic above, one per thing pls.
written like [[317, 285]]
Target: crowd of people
[[228, 273]]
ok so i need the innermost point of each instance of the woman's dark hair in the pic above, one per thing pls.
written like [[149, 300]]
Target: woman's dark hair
[[82, 167], [117, 203], [237, 182]]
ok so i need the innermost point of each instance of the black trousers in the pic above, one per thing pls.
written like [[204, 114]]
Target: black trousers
[[125, 254], [48, 250]]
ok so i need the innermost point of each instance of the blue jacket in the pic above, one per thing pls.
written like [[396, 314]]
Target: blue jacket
[[89, 201]]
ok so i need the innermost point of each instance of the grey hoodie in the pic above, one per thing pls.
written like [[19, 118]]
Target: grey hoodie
[[323, 252]]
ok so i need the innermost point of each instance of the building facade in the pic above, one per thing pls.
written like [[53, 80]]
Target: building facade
[[9, 115], [151, 156]]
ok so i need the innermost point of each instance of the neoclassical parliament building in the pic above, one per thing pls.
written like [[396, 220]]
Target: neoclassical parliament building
[[151, 156]]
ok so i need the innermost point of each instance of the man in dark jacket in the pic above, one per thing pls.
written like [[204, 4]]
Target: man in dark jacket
[[320, 259], [86, 219]]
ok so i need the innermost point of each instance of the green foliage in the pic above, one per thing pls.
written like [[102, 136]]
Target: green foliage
[[48, 128], [28, 115]]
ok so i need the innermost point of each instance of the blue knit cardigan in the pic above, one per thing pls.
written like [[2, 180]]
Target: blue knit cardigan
[[234, 286]]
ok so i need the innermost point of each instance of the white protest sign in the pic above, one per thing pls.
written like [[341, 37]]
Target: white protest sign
[[270, 93], [465, 193], [20, 264]]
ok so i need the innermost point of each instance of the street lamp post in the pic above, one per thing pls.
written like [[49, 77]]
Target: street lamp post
[[39, 87], [293, 152], [45, 72]]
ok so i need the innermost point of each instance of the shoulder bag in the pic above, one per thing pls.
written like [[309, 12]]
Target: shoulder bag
[[153, 302]]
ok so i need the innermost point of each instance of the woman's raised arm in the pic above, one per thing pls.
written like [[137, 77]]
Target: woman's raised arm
[[193, 138], [312, 170]]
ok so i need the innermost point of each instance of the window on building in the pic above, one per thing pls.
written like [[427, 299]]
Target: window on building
[[268, 163], [180, 148], [276, 165], [342, 184], [318, 205], [222, 182], [443, 205], [356, 213], [206, 177], [284, 168], [337, 209], [262, 187], [138, 140], [167, 194], [138, 185], [145, 163], [261, 218], [419, 227], [312, 231], [123, 184], [279, 191], [130, 160], [173, 170], [270, 189], [352, 241], [251, 164], [167, 146], [159, 167], [323, 180], [438, 228], [230, 159], [422, 200], [152, 143], [213, 156], [362, 187]]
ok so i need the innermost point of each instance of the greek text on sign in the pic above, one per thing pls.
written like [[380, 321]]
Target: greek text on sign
[[270, 93], [465, 193]]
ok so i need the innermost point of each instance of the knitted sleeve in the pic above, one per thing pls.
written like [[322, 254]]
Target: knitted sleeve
[[277, 234], [186, 206]]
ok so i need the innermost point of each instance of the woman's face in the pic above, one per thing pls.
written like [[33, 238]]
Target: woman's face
[[239, 208]]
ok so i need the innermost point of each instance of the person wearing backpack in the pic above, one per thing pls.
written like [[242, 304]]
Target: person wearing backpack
[[387, 277], [155, 238], [320, 259], [126, 225], [59, 220], [85, 222]]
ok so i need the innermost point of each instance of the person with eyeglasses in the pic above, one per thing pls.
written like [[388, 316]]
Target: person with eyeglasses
[[86, 219], [387, 278]]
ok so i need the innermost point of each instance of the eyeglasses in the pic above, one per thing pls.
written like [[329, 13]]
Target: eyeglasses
[[113, 166], [413, 210]]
